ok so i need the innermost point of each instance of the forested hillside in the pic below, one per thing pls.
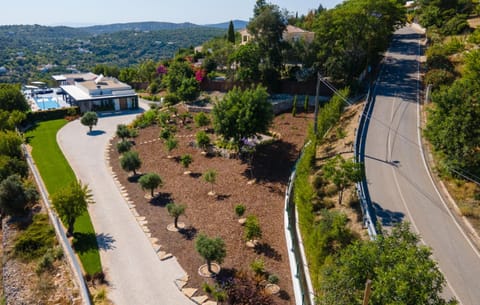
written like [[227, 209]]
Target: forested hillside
[[30, 52]]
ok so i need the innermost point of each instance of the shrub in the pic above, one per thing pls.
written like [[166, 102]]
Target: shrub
[[252, 228], [220, 295], [45, 263], [186, 160], [165, 133], [163, 118], [207, 288], [273, 279], [439, 77], [146, 119], [124, 146], [203, 140], [36, 239], [171, 99], [201, 119], [258, 266], [240, 210]]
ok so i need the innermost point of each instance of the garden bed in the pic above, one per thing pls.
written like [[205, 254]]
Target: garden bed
[[214, 215]]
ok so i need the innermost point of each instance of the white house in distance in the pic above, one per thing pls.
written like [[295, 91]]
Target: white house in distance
[[291, 34], [92, 92]]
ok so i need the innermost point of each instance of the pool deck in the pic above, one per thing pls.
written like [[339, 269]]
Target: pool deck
[[57, 97]]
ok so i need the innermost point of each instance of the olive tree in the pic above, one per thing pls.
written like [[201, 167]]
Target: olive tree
[[130, 162], [150, 182], [175, 210], [211, 249], [89, 119]]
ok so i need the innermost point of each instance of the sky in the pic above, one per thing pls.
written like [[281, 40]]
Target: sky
[[91, 12]]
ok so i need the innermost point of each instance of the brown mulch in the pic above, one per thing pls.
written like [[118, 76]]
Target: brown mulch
[[214, 215]]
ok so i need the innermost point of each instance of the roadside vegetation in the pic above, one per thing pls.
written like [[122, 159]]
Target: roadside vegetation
[[33, 269], [57, 176], [452, 73]]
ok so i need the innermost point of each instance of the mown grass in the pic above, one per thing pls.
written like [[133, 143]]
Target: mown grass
[[56, 174]]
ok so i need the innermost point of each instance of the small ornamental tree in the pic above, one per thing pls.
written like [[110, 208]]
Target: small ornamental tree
[[150, 182], [71, 202], [130, 162], [89, 119], [252, 228], [123, 146], [123, 131], [211, 249], [203, 140], [342, 173], [186, 160], [175, 210], [210, 176]]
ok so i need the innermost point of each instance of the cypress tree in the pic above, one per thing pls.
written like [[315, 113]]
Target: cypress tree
[[231, 33]]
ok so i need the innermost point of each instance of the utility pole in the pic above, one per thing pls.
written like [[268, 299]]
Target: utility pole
[[368, 290], [315, 113]]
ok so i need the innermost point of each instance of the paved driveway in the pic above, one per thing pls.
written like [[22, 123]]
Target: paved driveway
[[398, 180], [136, 274]]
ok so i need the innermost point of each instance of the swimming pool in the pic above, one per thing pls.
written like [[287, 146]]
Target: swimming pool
[[45, 103]]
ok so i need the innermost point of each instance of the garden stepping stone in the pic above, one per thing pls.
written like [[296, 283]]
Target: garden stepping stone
[[200, 299], [210, 303], [180, 284], [189, 291]]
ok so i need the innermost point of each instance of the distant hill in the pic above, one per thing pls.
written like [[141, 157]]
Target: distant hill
[[156, 26], [237, 24], [136, 26]]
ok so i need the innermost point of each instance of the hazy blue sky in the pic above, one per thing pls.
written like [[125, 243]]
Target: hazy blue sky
[[87, 12]]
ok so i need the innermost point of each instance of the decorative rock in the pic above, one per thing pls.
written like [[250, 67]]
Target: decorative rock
[[253, 181], [171, 227], [272, 289], [211, 193], [242, 221], [210, 303]]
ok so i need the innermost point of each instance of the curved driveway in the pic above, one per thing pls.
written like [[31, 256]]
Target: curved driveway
[[397, 176], [135, 273]]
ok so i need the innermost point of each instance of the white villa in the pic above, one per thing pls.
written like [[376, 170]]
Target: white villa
[[91, 92]]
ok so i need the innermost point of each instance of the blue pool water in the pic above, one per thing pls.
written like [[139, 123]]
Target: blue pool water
[[45, 103]]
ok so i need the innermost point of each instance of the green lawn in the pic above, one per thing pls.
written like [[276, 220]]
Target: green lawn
[[56, 174]]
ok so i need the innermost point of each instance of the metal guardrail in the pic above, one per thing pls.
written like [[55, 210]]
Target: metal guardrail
[[302, 284], [60, 232], [369, 216]]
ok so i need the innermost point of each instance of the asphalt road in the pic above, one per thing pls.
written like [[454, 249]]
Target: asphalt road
[[398, 180], [135, 273]]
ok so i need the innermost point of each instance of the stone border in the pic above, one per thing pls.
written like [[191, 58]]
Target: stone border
[[180, 283]]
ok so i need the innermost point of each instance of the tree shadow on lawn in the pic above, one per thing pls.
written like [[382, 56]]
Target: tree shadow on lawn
[[84, 242], [273, 162], [268, 251], [161, 200]]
